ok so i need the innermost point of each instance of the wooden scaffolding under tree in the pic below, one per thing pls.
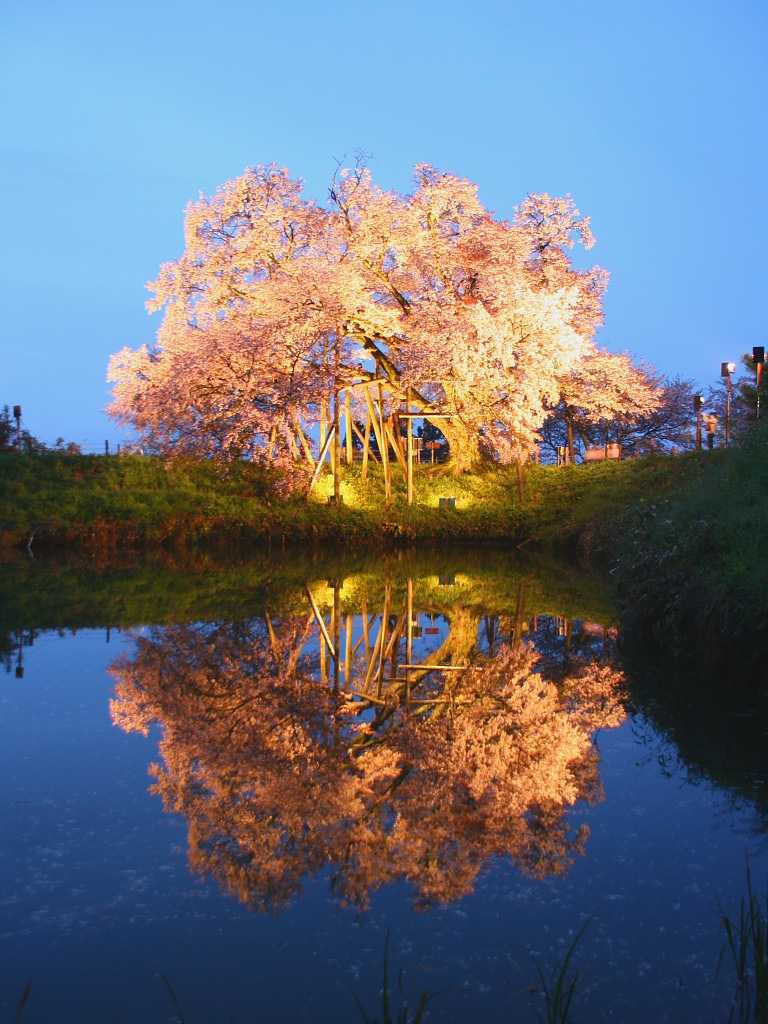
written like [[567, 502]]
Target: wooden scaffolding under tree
[[384, 429]]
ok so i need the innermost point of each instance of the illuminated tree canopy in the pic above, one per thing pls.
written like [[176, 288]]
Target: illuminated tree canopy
[[282, 770], [279, 302]]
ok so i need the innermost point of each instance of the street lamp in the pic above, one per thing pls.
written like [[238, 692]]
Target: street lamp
[[726, 369], [698, 401], [758, 358], [17, 417]]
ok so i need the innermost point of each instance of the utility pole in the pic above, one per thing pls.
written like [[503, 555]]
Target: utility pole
[[726, 369], [697, 403]]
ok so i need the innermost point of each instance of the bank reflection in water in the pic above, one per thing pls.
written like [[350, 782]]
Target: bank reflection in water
[[407, 736]]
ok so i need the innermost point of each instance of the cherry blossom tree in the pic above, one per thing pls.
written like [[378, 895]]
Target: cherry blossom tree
[[602, 397], [278, 303]]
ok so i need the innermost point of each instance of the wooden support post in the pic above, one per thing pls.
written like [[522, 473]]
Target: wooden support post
[[384, 449], [364, 610], [348, 420], [273, 641], [360, 437], [394, 440], [409, 453], [321, 623], [373, 658], [348, 652], [323, 660], [319, 463], [374, 422], [296, 423], [336, 449], [383, 635], [336, 626], [366, 446], [323, 428]]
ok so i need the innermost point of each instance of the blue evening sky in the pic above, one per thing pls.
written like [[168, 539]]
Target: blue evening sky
[[652, 115]]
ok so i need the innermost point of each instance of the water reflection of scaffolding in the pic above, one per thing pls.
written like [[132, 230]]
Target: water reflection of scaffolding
[[378, 649], [384, 679], [572, 637], [373, 670]]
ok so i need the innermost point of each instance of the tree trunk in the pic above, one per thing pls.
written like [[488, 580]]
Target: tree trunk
[[464, 443], [521, 481], [569, 423]]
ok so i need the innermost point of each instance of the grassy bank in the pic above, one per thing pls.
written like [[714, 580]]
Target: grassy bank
[[93, 502]]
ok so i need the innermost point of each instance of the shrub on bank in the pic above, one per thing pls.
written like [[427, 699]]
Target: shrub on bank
[[693, 565]]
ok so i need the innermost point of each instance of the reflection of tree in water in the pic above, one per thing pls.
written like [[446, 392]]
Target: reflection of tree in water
[[565, 643], [383, 770], [705, 734], [12, 648]]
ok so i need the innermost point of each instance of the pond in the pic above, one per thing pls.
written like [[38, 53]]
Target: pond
[[241, 789]]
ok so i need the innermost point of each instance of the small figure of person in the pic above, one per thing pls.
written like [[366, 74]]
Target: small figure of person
[[710, 424]]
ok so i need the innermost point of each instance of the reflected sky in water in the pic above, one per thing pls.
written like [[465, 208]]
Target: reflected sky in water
[[98, 901]]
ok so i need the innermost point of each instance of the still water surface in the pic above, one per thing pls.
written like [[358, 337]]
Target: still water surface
[[224, 815]]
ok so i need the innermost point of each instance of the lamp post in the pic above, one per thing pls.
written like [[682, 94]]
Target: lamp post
[[726, 369], [698, 401], [17, 417], [758, 358]]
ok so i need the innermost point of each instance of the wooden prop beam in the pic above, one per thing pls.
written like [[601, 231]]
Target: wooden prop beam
[[384, 449], [302, 438], [321, 623], [396, 448], [320, 458], [348, 421]]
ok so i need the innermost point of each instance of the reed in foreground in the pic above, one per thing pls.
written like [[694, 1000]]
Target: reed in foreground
[[746, 942], [402, 1015]]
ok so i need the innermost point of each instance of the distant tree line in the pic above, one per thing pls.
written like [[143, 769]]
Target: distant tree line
[[14, 440], [668, 427]]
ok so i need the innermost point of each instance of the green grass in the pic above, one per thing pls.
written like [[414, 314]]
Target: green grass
[[95, 501], [560, 985], [401, 1014]]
